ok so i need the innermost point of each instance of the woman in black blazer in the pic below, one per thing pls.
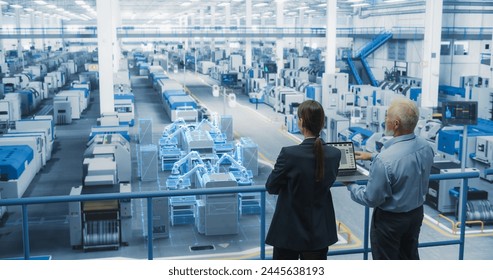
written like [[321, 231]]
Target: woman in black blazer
[[304, 225]]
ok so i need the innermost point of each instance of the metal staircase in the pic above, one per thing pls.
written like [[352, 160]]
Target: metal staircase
[[364, 52]]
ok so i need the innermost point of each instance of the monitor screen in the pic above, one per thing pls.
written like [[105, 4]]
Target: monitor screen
[[270, 68], [460, 113], [229, 79]]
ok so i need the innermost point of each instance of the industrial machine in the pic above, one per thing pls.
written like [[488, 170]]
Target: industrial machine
[[483, 156], [106, 169], [199, 155], [438, 195], [100, 224]]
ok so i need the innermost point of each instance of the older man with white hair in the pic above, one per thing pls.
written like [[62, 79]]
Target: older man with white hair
[[397, 185]]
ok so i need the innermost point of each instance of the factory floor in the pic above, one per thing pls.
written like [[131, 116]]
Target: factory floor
[[49, 227]]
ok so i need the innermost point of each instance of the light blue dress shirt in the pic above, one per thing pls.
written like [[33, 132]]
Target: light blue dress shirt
[[399, 175]]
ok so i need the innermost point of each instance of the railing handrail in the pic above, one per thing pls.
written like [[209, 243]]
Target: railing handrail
[[130, 195], [149, 195]]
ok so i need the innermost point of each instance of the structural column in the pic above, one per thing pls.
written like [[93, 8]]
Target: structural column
[[3, 65], [301, 23], [105, 55], [330, 37], [431, 53], [227, 26], [329, 100], [43, 42], [19, 41], [117, 22], [491, 64], [248, 27], [213, 25], [1, 40], [32, 25], [201, 25], [280, 40]]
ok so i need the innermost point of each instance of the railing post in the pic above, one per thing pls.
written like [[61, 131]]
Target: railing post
[[366, 233], [25, 232], [463, 201], [262, 225], [149, 229]]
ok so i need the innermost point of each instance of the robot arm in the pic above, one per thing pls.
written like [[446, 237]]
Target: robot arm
[[243, 171], [198, 167], [176, 166]]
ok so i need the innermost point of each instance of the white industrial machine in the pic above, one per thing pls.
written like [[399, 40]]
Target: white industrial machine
[[483, 156]]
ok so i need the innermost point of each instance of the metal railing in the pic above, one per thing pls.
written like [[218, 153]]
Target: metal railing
[[477, 33], [365, 250]]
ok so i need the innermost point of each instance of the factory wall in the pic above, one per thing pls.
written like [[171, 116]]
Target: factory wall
[[453, 66]]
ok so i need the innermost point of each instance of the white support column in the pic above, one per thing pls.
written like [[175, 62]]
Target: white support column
[[227, 26], [19, 41], [52, 24], [329, 100], [491, 64], [248, 26], [280, 41], [431, 53], [3, 65], [117, 22], [330, 37], [32, 25], [213, 25], [201, 25], [310, 24], [43, 42], [1, 40], [301, 25], [185, 25], [105, 55], [38, 24]]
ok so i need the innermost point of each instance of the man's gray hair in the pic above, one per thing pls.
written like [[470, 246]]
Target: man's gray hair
[[407, 112]]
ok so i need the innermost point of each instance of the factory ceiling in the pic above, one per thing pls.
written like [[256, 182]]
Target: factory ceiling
[[213, 12]]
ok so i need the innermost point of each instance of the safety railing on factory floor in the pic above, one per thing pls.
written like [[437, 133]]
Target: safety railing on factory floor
[[365, 250]]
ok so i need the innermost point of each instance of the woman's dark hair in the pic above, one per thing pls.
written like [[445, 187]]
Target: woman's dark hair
[[313, 116]]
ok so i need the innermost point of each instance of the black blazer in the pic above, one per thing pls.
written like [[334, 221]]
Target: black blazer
[[304, 217]]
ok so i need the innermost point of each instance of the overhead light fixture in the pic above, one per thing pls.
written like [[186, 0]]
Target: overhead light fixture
[[29, 10], [15, 6], [223, 4], [260, 5], [3, 3], [39, 2], [51, 7], [393, 1], [321, 5], [80, 3], [185, 4]]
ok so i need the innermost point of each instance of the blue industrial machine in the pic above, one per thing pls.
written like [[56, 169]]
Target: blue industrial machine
[[449, 139], [13, 162]]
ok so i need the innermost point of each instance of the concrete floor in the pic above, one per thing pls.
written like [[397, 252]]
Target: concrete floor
[[49, 229]]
